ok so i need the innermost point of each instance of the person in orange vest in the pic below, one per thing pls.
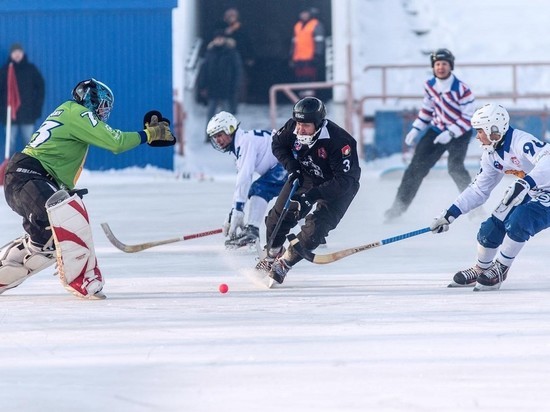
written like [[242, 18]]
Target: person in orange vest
[[308, 47]]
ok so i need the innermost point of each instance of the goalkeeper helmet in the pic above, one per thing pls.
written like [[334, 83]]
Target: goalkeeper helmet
[[222, 122], [443, 54], [95, 96], [492, 119], [309, 110]]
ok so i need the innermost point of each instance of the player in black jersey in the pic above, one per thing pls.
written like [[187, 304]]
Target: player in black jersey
[[322, 157]]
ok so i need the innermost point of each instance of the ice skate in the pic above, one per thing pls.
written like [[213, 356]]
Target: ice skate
[[279, 270], [249, 237], [492, 278], [20, 259], [466, 277], [263, 267]]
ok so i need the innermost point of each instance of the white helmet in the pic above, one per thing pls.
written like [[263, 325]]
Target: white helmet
[[492, 118], [221, 122]]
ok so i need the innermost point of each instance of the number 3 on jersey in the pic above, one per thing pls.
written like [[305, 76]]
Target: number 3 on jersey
[[43, 133]]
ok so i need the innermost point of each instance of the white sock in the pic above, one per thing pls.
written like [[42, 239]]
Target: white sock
[[485, 256], [509, 250], [256, 210]]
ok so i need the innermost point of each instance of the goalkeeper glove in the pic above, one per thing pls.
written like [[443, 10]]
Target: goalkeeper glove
[[158, 133]]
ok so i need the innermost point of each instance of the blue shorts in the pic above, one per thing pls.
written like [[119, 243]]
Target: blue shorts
[[523, 222], [268, 185]]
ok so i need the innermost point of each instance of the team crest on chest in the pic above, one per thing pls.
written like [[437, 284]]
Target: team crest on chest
[[297, 145], [515, 160], [322, 153]]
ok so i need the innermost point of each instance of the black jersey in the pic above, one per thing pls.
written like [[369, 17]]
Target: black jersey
[[331, 163]]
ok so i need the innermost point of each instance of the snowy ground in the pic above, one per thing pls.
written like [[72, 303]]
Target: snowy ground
[[376, 331]]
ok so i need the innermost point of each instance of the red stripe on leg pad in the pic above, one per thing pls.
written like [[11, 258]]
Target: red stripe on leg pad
[[80, 208]]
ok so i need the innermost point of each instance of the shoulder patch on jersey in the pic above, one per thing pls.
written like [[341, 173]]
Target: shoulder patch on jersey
[[346, 150], [56, 113], [515, 160]]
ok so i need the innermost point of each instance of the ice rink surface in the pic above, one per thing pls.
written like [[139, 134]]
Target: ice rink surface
[[378, 330]]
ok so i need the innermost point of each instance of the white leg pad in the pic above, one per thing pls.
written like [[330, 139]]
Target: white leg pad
[[12, 276], [76, 259], [19, 260]]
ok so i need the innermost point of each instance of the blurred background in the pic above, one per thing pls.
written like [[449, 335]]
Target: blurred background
[[374, 60]]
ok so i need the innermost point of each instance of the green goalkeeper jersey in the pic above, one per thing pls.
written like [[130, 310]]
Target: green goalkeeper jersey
[[62, 141]]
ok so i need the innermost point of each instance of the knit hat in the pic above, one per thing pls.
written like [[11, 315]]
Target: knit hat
[[16, 46]]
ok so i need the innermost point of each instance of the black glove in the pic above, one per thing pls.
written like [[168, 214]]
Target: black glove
[[296, 175], [79, 192], [310, 197], [304, 202]]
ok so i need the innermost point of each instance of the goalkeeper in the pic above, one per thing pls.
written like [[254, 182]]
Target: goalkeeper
[[39, 185]]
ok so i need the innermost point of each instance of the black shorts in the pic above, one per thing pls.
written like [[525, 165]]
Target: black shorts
[[27, 187]]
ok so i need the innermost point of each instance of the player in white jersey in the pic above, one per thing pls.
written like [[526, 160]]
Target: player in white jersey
[[525, 208], [252, 149]]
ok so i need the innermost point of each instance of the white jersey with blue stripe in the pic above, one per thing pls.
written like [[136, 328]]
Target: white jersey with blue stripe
[[252, 149], [521, 154]]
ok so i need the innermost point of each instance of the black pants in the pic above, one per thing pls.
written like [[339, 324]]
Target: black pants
[[325, 217], [426, 156], [27, 187]]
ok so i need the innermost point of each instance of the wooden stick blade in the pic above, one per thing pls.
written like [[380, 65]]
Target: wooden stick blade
[[142, 246], [133, 248]]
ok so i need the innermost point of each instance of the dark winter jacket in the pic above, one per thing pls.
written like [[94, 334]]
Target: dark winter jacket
[[31, 91], [221, 71]]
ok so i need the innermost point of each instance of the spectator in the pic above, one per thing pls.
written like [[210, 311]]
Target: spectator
[[307, 49], [444, 119], [31, 93], [220, 75], [233, 28]]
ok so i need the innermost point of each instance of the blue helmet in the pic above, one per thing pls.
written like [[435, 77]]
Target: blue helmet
[[95, 96]]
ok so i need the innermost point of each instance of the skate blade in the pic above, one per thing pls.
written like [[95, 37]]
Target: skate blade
[[458, 285], [259, 278], [96, 296], [249, 247], [482, 288]]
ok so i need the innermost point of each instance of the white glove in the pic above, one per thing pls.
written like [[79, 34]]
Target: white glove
[[411, 136], [234, 221], [513, 196], [441, 223], [227, 223], [443, 137]]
